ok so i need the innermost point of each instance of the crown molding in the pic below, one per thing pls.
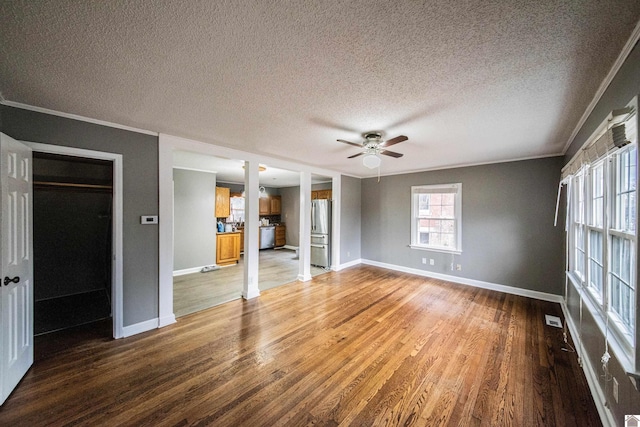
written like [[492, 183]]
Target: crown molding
[[626, 50], [74, 117]]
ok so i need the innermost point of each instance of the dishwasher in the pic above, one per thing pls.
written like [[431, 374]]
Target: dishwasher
[[267, 237]]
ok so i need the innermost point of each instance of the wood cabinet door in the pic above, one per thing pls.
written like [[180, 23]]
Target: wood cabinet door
[[281, 235], [276, 205], [227, 248], [223, 202], [265, 206]]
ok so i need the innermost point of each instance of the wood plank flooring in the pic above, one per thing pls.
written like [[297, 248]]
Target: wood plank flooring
[[364, 346], [199, 291]]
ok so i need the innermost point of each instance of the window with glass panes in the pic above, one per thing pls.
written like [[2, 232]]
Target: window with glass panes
[[623, 236], [579, 251], [436, 213], [596, 230], [603, 235]]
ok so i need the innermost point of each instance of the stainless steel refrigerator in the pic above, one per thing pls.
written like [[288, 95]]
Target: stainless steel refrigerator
[[321, 233]]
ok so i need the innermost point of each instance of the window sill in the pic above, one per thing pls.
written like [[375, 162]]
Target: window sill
[[446, 251], [618, 343]]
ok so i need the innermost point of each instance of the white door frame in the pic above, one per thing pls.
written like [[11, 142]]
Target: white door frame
[[116, 265]]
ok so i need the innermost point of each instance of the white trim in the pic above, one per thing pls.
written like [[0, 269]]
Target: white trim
[[187, 271], [117, 265], [466, 165], [349, 264], [606, 417], [304, 278], [293, 248], [434, 249], [470, 282], [138, 328], [76, 117], [197, 170], [626, 50]]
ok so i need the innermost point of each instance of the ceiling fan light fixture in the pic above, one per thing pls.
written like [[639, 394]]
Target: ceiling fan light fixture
[[371, 161]]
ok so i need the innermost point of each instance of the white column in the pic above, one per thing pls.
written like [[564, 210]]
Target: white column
[[304, 248], [251, 230], [165, 288]]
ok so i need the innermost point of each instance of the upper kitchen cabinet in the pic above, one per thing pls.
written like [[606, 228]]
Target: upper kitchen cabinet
[[265, 206], [271, 205], [223, 206], [276, 205], [321, 194]]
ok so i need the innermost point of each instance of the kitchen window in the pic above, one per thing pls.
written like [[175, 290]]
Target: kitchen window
[[436, 217]]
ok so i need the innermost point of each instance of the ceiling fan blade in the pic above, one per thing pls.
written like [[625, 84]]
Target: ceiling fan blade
[[393, 141], [350, 143], [391, 153], [356, 155]]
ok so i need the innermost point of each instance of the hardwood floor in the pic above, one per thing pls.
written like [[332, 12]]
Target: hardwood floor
[[364, 346], [199, 291]]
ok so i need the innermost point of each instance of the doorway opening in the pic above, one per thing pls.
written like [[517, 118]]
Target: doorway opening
[[73, 243]]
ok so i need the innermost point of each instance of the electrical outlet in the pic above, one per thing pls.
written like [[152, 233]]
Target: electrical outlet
[[432, 262], [459, 267], [424, 260], [615, 389], [348, 253]]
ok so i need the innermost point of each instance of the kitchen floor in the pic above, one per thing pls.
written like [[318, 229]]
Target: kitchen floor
[[199, 291]]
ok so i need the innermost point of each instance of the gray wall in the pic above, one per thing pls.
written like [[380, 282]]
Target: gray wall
[[322, 186], [291, 213], [194, 222], [622, 89], [140, 174], [350, 215], [508, 237]]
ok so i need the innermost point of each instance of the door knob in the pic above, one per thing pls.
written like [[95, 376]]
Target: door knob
[[14, 280]]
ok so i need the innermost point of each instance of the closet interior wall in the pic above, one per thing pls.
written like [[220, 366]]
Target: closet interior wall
[[72, 238]]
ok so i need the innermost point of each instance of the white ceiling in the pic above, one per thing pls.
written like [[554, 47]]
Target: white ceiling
[[467, 81]]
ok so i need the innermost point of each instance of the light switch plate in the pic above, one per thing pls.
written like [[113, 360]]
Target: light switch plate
[[149, 219]]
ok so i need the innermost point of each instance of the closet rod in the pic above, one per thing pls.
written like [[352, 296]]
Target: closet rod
[[72, 185]]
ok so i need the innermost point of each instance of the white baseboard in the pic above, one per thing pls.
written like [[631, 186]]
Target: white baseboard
[[349, 264], [188, 271], [606, 417], [166, 321], [138, 328], [293, 248], [470, 282], [303, 278]]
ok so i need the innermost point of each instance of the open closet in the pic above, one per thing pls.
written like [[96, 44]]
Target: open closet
[[72, 241]]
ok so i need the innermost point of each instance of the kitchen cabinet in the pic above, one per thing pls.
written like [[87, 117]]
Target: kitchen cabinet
[[241, 231], [276, 204], [321, 194], [223, 202], [227, 248], [265, 206], [271, 205], [281, 233]]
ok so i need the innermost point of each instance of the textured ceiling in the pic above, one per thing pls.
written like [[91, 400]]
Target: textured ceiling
[[467, 81]]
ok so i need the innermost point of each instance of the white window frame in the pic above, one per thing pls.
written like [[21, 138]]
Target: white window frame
[[456, 189], [621, 339]]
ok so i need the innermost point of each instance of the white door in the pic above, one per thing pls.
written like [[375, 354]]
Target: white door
[[16, 265]]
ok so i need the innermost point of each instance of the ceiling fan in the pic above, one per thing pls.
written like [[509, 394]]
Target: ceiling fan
[[373, 145]]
